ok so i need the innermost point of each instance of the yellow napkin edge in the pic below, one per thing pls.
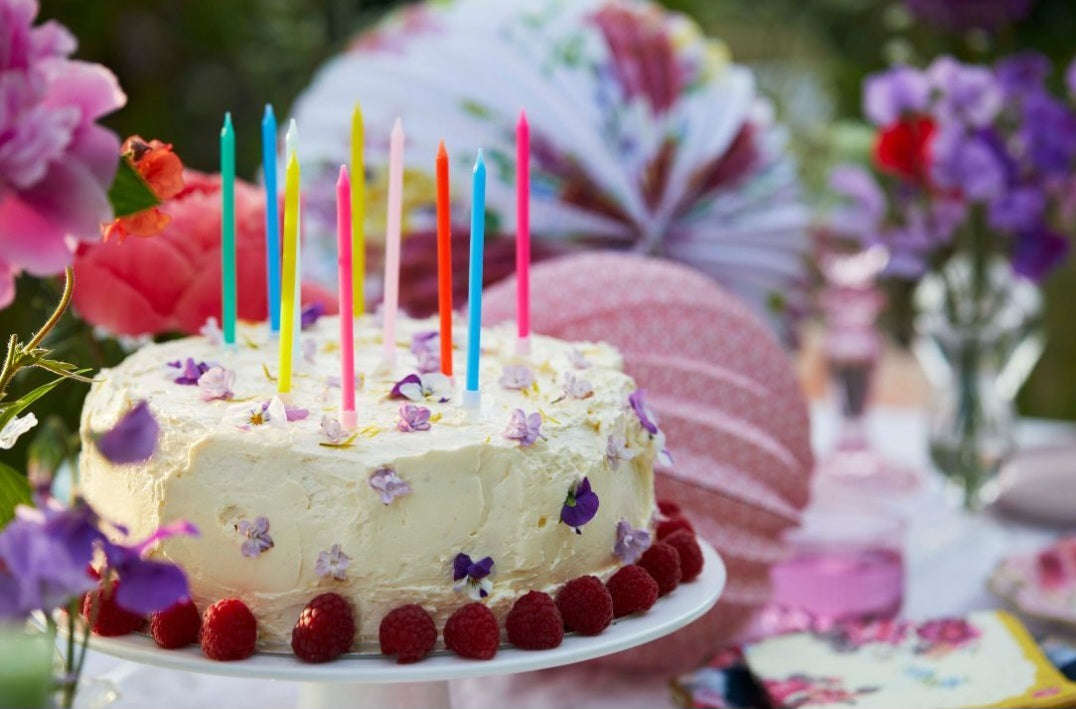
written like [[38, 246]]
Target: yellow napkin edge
[[1046, 675]]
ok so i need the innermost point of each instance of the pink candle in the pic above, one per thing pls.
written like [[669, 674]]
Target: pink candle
[[392, 242], [348, 418], [523, 233]]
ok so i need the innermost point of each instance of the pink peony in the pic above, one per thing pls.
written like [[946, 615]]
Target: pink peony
[[56, 163], [171, 282]]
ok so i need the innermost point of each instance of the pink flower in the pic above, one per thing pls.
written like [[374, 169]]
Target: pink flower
[[946, 633], [56, 163], [172, 282]]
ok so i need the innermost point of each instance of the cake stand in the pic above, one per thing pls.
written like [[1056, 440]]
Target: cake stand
[[365, 681]]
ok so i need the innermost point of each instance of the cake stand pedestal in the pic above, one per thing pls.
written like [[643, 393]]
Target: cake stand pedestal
[[366, 681]]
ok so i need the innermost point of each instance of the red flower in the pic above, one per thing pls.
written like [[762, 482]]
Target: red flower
[[172, 282], [903, 149], [163, 172]]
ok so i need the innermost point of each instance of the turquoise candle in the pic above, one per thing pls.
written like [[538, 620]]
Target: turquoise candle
[[272, 219], [474, 284], [227, 229]]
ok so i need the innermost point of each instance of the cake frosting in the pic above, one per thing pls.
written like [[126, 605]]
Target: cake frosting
[[288, 507]]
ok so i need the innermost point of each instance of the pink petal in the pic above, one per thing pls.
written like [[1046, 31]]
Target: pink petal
[[98, 149], [51, 39], [75, 199], [91, 87], [7, 284], [29, 240]]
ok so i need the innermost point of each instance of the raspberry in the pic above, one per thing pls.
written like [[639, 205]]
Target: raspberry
[[690, 554], [534, 623], [177, 626], [325, 629], [633, 590], [585, 605], [472, 632], [408, 633], [669, 508], [111, 620], [229, 631], [662, 562], [674, 524]]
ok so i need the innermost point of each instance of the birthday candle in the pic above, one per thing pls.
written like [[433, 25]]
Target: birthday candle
[[227, 229], [392, 241], [288, 285], [343, 262], [444, 260], [474, 283], [291, 146], [272, 219], [523, 233], [358, 212]]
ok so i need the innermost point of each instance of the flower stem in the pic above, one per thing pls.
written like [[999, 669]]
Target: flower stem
[[61, 307], [70, 679], [15, 353]]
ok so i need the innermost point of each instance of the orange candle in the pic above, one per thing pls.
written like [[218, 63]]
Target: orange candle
[[444, 260]]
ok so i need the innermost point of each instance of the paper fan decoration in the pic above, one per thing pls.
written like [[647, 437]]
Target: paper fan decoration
[[645, 138], [727, 399]]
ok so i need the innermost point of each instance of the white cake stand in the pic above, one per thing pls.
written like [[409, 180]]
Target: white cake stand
[[365, 681]]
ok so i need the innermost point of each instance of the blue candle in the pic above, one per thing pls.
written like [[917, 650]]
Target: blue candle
[[272, 219], [474, 284]]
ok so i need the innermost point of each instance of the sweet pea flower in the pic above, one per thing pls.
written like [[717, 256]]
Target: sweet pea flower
[[1023, 73], [56, 162], [133, 439], [1038, 251], [967, 94], [147, 585], [1019, 209], [966, 162], [888, 95]]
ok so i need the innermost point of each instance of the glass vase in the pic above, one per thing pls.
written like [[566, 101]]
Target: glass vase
[[979, 335]]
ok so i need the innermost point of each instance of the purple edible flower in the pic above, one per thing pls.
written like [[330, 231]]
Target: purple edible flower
[[388, 484], [472, 577], [293, 413], [147, 585], [217, 383], [966, 162], [189, 371], [630, 543], [333, 562], [413, 418], [257, 536], [516, 376], [332, 430], [863, 206], [267, 413], [210, 330], [617, 450], [580, 505], [310, 314], [424, 387], [1023, 73], [968, 94], [397, 392], [426, 346], [647, 419], [889, 95], [577, 359], [1038, 251], [577, 388], [522, 427], [133, 439]]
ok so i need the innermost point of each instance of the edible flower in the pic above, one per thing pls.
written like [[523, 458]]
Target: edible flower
[[423, 387], [216, 383], [388, 484], [267, 413], [577, 387], [516, 376], [577, 359], [472, 578], [630, 543], [413, 418], [649, 421], [525, 428], [257, 536], [580, 505], [426, 346], [310, 314], [148, 585], [133, 439], [617, 450], [332, 430], [210, 330], [188, 372], [333, 562]]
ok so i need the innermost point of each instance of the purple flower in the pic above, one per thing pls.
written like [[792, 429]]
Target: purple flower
[[1023, 73], [617, 449], [310, 314], [647, 419], [522, 427], [577, 360], [1019, 209], [432, 385], [292, 413], [889, 95], [56, 162], [211, 331], [577, 388], [472, 578], [967, 94], [413, 418], [630, 543], [388, 484], [257, 536], [967, 163], [188, 372], [1049, 134], [1038, 251], [333, 562], [863, 203], [426, 346], [332, 430], [147, 585], [270, 413], [133, 439], [216, 383], [580, 505], [516, 376]]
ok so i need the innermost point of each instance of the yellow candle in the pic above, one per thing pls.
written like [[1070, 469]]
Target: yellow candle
[[358, 213], [287, 275]]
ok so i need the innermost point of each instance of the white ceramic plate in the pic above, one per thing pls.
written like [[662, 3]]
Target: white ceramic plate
[[670, 613]]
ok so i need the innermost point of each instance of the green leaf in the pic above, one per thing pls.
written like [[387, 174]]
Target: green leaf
[[13, 409], [14, 490], [129, 193]]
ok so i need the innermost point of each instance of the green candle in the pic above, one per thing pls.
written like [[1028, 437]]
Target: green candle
[[227, 229]]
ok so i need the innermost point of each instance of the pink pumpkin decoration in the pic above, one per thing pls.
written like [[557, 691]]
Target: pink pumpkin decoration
[[728, 400]]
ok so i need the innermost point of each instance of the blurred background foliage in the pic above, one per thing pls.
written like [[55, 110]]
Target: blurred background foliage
[[183, 63]]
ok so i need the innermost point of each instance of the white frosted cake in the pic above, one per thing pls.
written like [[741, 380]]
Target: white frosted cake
[[290, 507]]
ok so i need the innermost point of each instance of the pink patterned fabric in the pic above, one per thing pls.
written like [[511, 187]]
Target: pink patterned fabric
[[727, 398]]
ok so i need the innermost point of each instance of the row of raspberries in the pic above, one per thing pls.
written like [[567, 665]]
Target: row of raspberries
[[326, 628]]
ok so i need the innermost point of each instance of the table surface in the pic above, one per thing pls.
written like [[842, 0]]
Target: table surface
[[948, 555]]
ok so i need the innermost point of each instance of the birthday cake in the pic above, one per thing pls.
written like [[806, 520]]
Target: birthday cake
[[423, 502]]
